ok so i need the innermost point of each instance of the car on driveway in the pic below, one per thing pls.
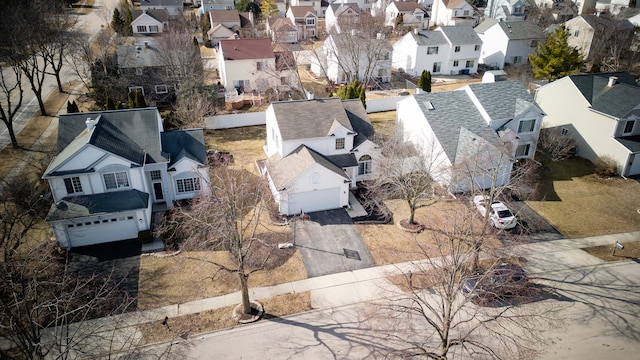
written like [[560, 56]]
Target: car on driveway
[[500, 215], [500, 282]]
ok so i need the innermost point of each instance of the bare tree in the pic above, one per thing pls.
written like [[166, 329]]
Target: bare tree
[[433, 311], [191, 110], [11, 86], [60, 27], [228, 218], [555, 144]]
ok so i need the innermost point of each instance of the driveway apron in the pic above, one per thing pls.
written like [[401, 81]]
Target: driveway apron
[[330, 243]]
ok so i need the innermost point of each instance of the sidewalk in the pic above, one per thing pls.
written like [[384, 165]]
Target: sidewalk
[[368, 284]]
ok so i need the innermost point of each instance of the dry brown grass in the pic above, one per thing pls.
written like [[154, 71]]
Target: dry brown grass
[[218, 319], [384, 123], [245, 144], [389, 244], [604, 252]]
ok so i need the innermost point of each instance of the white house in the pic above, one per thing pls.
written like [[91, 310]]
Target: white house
[[208, 5], [247, 64], [592, 34], [305, 20], [453, 12], [317, 150], [445, 50], [471, 137], [601, 112], [414, 15], [612, 6], [111, 167], [282, 30], [341, 15], [173, 7], [508, 42], [149, 22], [315, 4], [505, 10], [346, 57]]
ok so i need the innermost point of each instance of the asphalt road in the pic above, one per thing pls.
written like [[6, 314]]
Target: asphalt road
[[599, 306]]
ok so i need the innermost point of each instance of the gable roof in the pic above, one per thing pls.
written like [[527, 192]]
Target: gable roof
[[220, 31], [246, 49], [281, 24], [160, 2], [485, 25], [301, 11], [615, 101], [131, 134], [181, 144], [161, 15], [427, 38], [460, 34], [139, 55], [447, 113], [453, 4], [359, 119], [404, 6], [305, 119], [72, 207], [502, 99], [521, 30], [284, 171], [218, 16]]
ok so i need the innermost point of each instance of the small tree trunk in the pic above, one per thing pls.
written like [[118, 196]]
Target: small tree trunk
[[244, 289]]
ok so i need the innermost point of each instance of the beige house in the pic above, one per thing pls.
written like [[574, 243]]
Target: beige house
[[592, 34], [601, 112]]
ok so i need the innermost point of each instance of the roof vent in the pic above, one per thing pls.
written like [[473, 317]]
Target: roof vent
[[430, 106], [90, 124], [612, 81], [416, 31]]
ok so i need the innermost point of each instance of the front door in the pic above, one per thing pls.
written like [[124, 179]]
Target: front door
[[157, 191]]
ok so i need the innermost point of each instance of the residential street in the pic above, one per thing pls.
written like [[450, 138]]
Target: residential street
[[596, 305]]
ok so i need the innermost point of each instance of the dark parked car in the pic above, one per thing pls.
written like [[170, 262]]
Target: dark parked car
[[500, 282]]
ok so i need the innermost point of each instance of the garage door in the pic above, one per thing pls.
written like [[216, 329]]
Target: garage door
[[106, 229], [311, 201]]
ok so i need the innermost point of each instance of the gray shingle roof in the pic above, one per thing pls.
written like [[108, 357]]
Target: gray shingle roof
[[522, 30], [138, 56], [128, 133], [461, 35], [428, 38], [359, 121], [184, 143], [615, 101], [307, 119], [502, 99], [284, 171], [452, 111], [161, 15], [91, 205], [485, 25]]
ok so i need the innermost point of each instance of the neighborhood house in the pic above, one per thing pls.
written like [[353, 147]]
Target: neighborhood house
[[111, 167]]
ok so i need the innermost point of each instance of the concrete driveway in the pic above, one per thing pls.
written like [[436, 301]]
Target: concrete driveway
[[330, 243]]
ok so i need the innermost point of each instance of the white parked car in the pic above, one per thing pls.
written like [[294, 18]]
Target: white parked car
[[501, 217]]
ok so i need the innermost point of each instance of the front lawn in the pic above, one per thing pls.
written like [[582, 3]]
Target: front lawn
[[579, 204]]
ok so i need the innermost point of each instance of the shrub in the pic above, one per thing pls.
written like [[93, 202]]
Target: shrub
[[145, 236], [606, 167]]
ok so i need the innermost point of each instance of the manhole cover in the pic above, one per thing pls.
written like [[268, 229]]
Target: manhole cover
[[351, 254]]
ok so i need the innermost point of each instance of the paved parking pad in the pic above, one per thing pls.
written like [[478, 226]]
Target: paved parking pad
[[330, 243]]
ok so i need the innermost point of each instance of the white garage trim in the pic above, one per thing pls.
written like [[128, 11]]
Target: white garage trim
[[91, 231], [310, 201]]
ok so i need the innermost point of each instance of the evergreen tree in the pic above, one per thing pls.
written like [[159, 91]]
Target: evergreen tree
[[424, 82], [353, 90], [249, 6], [109, 103], [555, 58], [269, 9], [117, 22], [126, 26], [139, 100]]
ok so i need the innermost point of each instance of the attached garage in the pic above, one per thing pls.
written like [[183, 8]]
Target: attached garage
[[101, 230], [311, 201]]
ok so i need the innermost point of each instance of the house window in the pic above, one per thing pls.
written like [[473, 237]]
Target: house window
[[628, 127], [188, 185], [476, 48], [516, 60], [456, 49], [564, 131], [455, 63], [523, 150], [432, 50], [469, 63], [259, 65], [436, 67], [526, 126], [155, 175], [364, 165], [153, 28], [142, 28], [116, 180], [161, 89], [576, 33], [466, 13], [73, 185], [311, 21], [240, 84], [138, 71], [339, 143]]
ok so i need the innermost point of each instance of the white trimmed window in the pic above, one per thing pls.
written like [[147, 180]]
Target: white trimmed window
[[364, 165], [311, 21], [153, 28], [142, 28], [628, 127], [523, 150], [476, 48], [73, 185], [134, 89], [526, 126], [161, 89], [116, 180], [469, 63], [456, 49], [339, 143], [455, 63], [187, 185], [155, 175], [432, 50]]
